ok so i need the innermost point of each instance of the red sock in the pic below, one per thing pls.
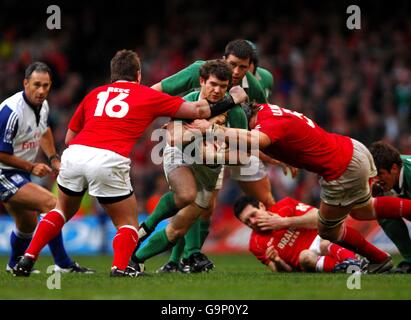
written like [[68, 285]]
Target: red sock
[[47, 229], [340, 253], [392, 207], [325, 263], [124, 243], [353, 240]]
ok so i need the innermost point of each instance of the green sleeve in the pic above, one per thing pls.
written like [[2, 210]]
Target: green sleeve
[[236, 118], [255, 92], [184, 80], [266, 81], [406, 186]]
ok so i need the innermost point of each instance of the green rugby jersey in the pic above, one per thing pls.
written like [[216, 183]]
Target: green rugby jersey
[[405, 177], [266, 80], [188, 80], [236, 117]]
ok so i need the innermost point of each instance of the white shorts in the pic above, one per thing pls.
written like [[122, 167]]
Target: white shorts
[[104, 172], [315, 245], [253, 171], [353, 187]]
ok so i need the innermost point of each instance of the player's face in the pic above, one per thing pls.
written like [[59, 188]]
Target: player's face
[[37, 87], [388, 179], [250, 215], [240, 68], [213, 89]]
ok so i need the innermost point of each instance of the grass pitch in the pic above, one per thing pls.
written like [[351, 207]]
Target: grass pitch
[[235, 277]]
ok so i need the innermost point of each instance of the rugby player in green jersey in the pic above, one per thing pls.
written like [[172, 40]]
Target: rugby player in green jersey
[[194, 186], [394, 178]]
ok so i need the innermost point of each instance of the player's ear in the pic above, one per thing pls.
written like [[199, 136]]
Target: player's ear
[[202, 81], [262, 206], [138, 76], [25, 83]]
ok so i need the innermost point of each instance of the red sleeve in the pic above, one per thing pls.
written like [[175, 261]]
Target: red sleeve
[[77, 121], [165, 105], [268, 125], [258, 246]]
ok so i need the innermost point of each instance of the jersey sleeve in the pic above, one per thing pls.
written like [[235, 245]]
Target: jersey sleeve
[[237, 118], [271, 127], [255, 91], [8, 129], [258, 247], [166, 105], [184, 80], [77, 121]]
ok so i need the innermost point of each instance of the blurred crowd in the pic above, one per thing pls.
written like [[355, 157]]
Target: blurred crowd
[[353, 82]]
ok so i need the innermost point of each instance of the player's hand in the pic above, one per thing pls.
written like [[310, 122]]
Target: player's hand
[[221, 119], [280, 264], [40, 170], [238, 94], [285, 167], [199, 124], [271, 222]]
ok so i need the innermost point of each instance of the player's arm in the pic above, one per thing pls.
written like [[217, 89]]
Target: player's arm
[[203, 109], [49, 148], [276, 222], [182, 81], [275, 262], [70, 134], [267, 159], [76, 123]]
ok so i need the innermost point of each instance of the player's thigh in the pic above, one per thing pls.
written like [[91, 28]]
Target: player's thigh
[[365, 212], [206, 214], [68, 202], [33, 197], [123, 212], [182, 183]]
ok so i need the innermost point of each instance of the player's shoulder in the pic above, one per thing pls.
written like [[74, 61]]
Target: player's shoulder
[[265, 74], [14, 104], [192, 96]]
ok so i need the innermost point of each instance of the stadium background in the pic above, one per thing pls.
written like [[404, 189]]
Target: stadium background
[[354, 82]]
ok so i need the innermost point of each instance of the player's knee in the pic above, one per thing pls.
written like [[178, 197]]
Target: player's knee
[[186, 197], [324, 244], [308, 260], [48, 204]]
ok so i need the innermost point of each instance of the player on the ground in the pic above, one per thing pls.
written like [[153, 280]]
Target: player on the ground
[[344, 166], [285, 237], [100, 136], [394, 178], [23, 130]]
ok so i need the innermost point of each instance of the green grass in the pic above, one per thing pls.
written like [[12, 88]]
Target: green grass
[[235, 277]]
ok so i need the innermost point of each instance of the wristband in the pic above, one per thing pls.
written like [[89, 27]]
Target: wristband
[[221, 106], [54, 156]]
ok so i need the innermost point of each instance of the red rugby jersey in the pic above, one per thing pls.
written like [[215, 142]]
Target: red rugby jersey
[[300, 142], [288, 242], [115, 115]]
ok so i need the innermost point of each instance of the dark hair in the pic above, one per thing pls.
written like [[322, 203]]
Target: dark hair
[[239, 48], [254, 59], [36, 67], [124, 66], [243, 202], [218, 68], [250, 109], [385, 155]]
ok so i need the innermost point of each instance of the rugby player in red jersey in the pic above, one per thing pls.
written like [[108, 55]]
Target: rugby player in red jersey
[[285, 237], [101, 134], [344, 166]]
